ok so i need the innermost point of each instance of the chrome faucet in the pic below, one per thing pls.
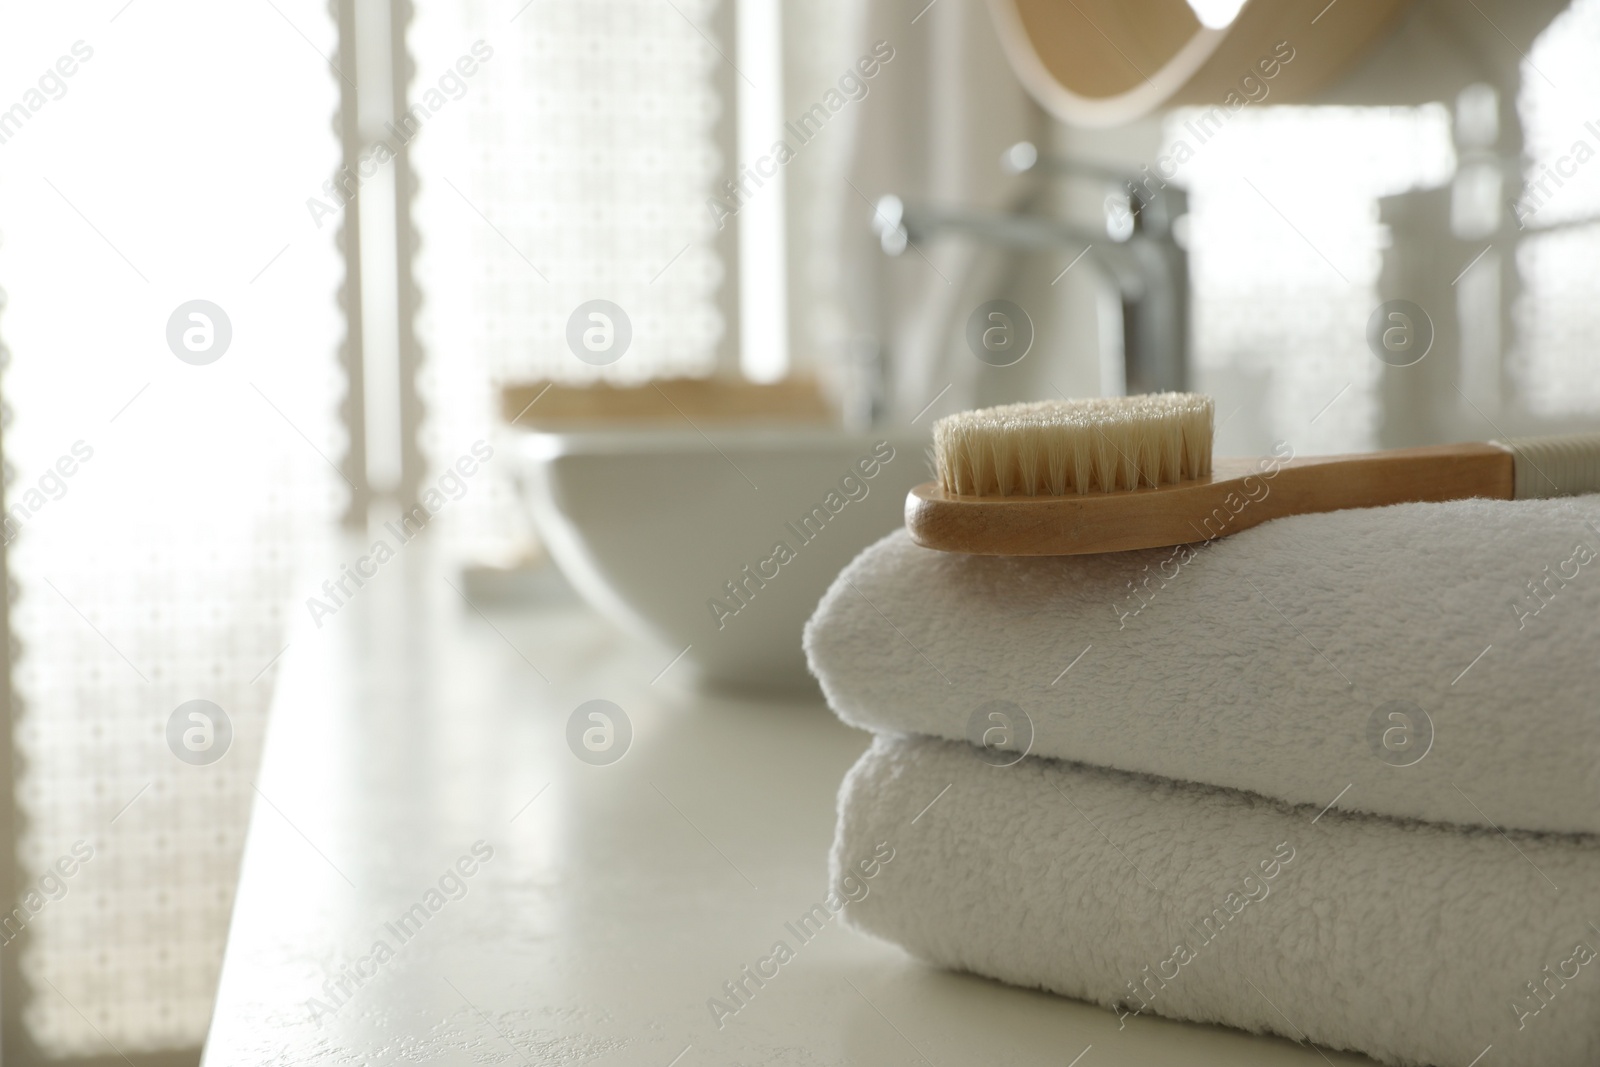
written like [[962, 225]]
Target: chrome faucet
[[1140, 252]]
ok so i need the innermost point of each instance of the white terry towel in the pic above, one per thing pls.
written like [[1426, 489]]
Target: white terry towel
[[1273, 661], [1410, 942]]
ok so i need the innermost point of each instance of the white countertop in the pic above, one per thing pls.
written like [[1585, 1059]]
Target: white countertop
[[618, 899]]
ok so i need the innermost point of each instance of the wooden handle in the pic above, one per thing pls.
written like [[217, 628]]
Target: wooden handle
[[1239, 494]]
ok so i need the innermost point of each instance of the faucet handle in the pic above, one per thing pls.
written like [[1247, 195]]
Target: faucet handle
[[889, 223], [1019, 158]]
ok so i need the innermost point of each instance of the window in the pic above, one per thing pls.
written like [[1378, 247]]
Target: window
[[575, 166], [1286, 247], [1553, 367]]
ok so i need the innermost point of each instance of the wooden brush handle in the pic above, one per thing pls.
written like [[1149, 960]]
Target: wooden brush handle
[[1239, 494]]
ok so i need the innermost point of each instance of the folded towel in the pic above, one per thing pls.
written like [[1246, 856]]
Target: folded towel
[[1410, 942], [1437, 661]]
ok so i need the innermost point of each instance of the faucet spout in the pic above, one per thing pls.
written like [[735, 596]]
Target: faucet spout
[[1148, 268]]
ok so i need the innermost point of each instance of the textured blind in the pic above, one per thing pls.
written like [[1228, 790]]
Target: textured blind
[[573, 165], [173, 164]]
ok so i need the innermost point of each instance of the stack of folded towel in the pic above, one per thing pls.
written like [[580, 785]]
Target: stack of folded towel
[[1336, 777]]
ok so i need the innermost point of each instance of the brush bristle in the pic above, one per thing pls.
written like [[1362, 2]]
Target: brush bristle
[[1056, 447]]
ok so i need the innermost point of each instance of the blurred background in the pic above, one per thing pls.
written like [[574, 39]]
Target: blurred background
[[393, 212]]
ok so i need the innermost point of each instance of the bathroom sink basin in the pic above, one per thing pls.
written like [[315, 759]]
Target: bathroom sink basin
[[720, 544]]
